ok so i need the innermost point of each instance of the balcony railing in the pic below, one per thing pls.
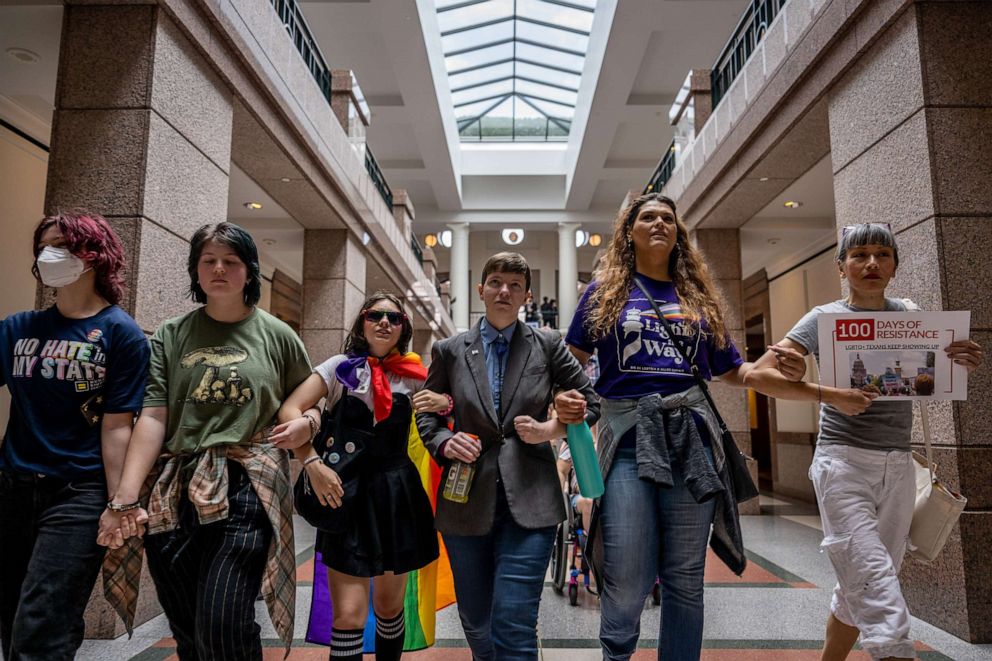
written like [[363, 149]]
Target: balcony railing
[[299, 33], [663, 172], [372, 167], [418, 252], [750, 30]]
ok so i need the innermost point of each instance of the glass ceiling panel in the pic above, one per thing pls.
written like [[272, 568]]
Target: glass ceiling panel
[[514, 66]]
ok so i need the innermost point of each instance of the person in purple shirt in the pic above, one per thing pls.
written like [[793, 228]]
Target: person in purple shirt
[[643, 528]]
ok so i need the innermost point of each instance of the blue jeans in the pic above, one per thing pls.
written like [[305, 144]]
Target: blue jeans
[[499, 577], [49, 561], [651, 531]]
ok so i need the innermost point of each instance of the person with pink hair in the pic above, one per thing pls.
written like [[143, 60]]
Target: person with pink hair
[[76, 374]]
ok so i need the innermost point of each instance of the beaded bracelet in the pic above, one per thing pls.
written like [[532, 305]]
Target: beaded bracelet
[[451, 406], [310, 460], [314, 426]]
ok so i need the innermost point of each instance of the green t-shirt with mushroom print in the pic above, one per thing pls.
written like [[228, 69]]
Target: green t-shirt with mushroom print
[[222, 382]]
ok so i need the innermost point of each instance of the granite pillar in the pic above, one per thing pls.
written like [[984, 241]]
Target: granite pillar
[[141, 134], [721, 249], [403, 212], [910, 126], [333, 290]]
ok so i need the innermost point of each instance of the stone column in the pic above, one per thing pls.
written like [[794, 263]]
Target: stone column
[[910, 126], [568, 273], [333, 289], [141, 134], [721, 250], [458, 275]]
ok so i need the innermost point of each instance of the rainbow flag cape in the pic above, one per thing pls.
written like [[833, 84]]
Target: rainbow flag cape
[[427, 590]]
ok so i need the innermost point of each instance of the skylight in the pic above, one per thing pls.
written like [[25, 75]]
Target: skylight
[[514, 66]]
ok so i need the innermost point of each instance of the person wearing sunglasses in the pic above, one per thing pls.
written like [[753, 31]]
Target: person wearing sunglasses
[[862, 468], [75, 372], [376, 385]]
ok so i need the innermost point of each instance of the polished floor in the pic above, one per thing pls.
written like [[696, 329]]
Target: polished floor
[[775, 612]]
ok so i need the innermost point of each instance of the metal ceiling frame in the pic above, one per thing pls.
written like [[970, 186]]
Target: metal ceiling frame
[[514, 19]]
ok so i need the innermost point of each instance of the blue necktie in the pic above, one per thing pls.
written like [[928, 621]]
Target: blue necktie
[[500, 347]]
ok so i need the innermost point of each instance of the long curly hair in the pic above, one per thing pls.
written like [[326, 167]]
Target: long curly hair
[[614, 278], [88, 235]]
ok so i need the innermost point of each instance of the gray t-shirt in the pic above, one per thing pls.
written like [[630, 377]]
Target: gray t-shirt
[[884, 425]]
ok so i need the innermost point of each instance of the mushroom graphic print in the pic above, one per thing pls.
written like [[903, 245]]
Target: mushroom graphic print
[[212, 388]]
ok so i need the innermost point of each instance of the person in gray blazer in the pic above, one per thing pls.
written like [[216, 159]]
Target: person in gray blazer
[[502, 376]]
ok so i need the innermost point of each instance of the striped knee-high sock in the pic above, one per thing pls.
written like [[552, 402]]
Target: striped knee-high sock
[[389, 637], [346, 644]]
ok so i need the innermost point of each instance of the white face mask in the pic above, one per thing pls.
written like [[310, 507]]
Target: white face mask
[[58, 267]]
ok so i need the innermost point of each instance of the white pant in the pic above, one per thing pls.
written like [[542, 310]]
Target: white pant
[[866, 500]]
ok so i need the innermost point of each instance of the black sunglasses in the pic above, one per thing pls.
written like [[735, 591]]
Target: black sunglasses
[[375, 316]]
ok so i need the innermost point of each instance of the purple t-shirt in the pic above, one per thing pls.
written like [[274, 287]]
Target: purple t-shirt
[[638, 358]]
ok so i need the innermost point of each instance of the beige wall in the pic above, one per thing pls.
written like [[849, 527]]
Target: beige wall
[[23, 170]]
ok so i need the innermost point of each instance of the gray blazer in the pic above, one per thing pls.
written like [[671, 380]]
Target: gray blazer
[[538, 364]]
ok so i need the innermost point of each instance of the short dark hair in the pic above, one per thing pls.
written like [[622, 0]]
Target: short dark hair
[[238, 240], [355, 342], [507, 262]]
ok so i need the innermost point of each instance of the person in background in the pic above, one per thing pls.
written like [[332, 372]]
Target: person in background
[[76, 375], [220, 516], [862, 469]]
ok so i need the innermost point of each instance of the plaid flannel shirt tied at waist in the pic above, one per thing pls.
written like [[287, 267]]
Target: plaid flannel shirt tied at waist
[[267, 469]]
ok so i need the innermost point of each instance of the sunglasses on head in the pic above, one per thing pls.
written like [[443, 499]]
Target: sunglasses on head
[[851, 228], [375, 316]]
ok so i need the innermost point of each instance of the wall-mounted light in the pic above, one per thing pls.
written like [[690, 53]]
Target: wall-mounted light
[[792, 204], [430, 240], [581, 238], [23, 55], [444, 238], [595, 240], [513, 237], [366, 238], [253, 206]]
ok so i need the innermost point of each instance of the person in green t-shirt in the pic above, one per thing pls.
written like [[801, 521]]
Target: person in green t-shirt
[[220, 510]]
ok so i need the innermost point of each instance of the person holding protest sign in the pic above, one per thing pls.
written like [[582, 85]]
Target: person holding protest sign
[[862, 469]]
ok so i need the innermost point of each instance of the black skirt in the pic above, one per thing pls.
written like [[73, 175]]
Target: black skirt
[[390, 523]]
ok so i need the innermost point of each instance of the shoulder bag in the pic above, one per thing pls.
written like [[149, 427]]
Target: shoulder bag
[[736, 461], [937, 507], [342, 452]]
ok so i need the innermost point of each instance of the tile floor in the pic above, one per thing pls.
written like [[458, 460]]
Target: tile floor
[[774, 612]]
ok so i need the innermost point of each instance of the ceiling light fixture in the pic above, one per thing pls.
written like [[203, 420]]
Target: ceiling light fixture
[[23, 55], [268, 241], [762, 178], [595, 240], [513, 237], [285, 180], [253, 206], [444, 238], [774, 241], [792, 204], [581, 238], [430, 240]]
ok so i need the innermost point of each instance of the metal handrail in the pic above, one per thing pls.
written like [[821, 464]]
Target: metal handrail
[[663, 172], [299, 33], [372, 167], [749, 32], [418, 252]]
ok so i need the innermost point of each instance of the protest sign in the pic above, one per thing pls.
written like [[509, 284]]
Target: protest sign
[[899, 355]]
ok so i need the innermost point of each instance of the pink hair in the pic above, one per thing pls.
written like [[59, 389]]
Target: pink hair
[[89, 236]]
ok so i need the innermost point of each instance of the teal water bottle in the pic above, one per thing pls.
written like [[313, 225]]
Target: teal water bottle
[[584, 460]]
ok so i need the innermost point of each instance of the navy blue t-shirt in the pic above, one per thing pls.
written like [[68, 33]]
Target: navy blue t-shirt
[[638, 358], [63, 375]]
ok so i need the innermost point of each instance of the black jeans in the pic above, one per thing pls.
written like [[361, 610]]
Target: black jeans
[[207, 576], [49, 561]]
